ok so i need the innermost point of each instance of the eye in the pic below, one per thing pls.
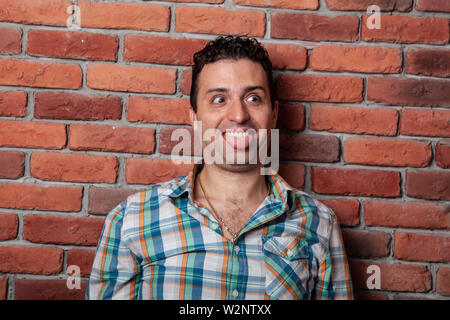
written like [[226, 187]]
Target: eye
[[254, 98], [218, 100]]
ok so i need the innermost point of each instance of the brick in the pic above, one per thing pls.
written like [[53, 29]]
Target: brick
[[421, 247], [366, 244], [62, 230], [40, 198], [112, 138], [393, 277], [83, 258], [74, 106], [10, 40], [433, 5], [282, 4], [404, 29], [103, 200], [354, 120], [9, 224], [442, 154], [411, 297], [186, 79], [158, 110], [294, 174], [305, 87], [3, 288], [312, 27], [31, 259], [163, 50], [47, 289], [428, 184], [77, 45], [73, 167], [443, 281], [151, 171], [408, 91], [353, 182], [291, 117], [360, 295], [387, 152], [220, 21], [12, 164], [309, 147], [120, 15], [166, 144], [287, 56], [367, 59], [131, 78], [346, 210], [13, 103], [434, 123], [32, 134], [14, 72], [362, 5], [422, 215], [199, 1], [45, 12], [428, 62]]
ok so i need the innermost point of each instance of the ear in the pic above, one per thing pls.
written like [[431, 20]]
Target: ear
[[192, 116], [275, 115]]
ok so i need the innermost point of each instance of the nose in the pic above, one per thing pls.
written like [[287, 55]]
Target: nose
[[237, 112]]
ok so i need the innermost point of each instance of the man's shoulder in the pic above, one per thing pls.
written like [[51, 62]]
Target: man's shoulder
[[311, 205], [158, 192]]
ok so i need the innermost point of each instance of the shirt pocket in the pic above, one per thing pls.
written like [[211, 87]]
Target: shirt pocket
[[288, 267]]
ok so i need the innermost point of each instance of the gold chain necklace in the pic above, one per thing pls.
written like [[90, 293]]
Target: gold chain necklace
[[234, 235]]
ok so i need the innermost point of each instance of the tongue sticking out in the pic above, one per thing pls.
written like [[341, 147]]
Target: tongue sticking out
[[238, 142]]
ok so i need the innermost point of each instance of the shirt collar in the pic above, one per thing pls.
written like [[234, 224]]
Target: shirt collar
[[281, 190]]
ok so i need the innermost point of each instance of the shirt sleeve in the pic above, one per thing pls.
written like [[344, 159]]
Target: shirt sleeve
[[116, 271], [333, 278]]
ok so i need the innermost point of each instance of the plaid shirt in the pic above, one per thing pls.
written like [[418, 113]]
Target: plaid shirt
[[158, 244]]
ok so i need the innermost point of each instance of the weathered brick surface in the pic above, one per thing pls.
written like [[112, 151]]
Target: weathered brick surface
[[10, 40], [74, 106], [356, 59], [406, 29], [298, 87], [19, 72], [353, 120], [311, 27], [387, 152], [384, 5], [13, 103], [220, 21], [77, 45], [12, 164]]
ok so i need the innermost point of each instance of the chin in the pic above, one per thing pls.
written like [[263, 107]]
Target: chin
[[246, 167]]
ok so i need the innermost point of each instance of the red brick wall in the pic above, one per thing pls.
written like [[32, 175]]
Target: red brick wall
[[86, 117]]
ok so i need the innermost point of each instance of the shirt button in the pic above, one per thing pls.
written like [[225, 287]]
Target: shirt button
[[235, 293], [236, 249], [289, 253]]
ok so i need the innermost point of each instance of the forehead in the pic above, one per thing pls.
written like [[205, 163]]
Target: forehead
[[232, 74]]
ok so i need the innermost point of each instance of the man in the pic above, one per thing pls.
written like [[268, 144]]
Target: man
[[225, 231]]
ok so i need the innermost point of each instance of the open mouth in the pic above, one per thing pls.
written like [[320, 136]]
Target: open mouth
[[239, 138]]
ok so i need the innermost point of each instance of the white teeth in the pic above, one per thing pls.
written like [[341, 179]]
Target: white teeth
[[237, 134]]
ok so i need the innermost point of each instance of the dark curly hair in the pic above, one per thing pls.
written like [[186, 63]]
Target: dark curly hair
[[231, 47]]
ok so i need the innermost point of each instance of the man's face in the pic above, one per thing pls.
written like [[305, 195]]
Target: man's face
[[234, 98]]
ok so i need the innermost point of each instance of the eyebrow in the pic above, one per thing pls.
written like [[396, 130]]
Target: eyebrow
[[247, 89]]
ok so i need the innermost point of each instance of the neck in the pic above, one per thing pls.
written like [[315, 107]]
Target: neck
[[225, 185]]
